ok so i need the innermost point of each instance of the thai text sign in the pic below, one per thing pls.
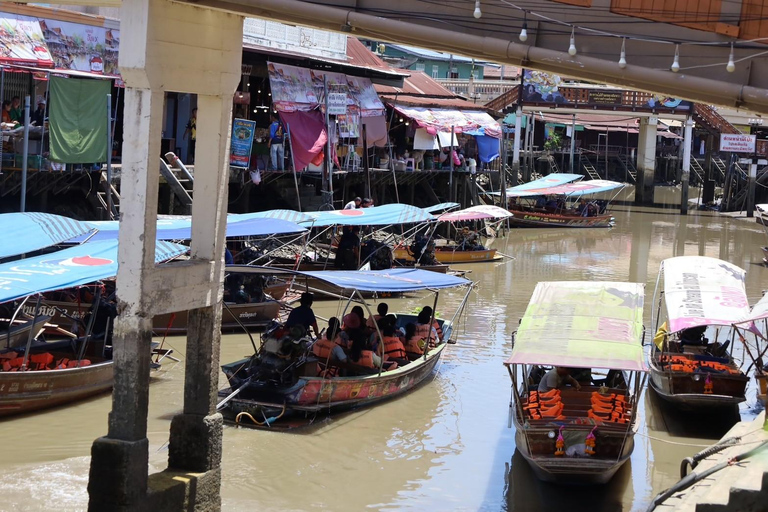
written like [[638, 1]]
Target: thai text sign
[[737, 143], [242, 142], [598, 97], [337, 103]]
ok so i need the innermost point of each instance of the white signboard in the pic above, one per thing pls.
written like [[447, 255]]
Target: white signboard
[[337, 103], [737, 143]]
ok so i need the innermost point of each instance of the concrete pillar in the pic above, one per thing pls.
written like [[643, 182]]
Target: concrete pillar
[[186, 49], [646, 160], [686, 176]]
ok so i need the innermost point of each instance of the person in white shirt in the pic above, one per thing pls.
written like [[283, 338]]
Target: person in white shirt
[[353, 204]]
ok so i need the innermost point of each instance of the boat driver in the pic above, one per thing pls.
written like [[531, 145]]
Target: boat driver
[[303, 315], [557, 378]]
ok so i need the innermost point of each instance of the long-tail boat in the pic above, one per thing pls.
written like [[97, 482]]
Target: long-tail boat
[[703, 296], [43, 374], [580, 434], [283, 384]]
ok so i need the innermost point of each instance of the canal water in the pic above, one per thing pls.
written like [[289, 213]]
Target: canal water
[[445, 446]]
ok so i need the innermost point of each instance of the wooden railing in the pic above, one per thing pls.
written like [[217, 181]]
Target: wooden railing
[[710, 117], [505, 100]]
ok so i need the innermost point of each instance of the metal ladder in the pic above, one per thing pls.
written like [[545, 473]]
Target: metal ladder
[[697, 169], [101, 195], [178, 178], [553, 167], [588, 167], [720, 165], [628, 166]]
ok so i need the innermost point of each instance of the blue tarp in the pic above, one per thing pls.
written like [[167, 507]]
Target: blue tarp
[[577, 189], [393, 280], [388, 214], [551, 180], [27, 232], [289, 215], [487, 148], [180, 228], [441, 207], [75, 266]]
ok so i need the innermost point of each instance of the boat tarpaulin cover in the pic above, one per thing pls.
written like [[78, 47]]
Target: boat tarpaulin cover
[[70, 267], [388, 214], [393, 280], [699, 290], [441, 207], [551, 180], [583, 324], [289, 215], [480, 212], [759, 311], [78, 120], [30, 231], [181, 228], [579, 188]]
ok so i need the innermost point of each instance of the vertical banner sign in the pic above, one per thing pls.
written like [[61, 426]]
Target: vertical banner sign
[[242, 142]]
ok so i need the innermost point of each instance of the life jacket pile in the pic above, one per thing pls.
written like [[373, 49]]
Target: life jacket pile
[[544, 405], [611, 408], [688, 365], [11, 362]]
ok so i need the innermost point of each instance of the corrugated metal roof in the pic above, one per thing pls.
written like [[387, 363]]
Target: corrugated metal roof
[[418, 83], [430, 54]]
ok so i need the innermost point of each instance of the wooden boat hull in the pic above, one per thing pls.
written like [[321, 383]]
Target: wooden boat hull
[[680, 389], [529, 219], [256, 314], [315, 395], [447, 256], [574, 471], [23, 392]]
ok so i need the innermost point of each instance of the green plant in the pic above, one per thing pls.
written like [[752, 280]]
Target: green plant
[[553, 142]]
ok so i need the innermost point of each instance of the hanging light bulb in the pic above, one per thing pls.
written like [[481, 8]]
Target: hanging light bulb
[[623, 57], [524, 31], [676, 63], [477, 12], [731, 66], [572, 47]]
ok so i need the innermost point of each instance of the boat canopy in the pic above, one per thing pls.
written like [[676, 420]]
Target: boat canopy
[[395, 280], [75, 266], [31, 231], [551, 180], [758, 312], [577, 189], [583, 324], [180, 228], [289, 215], [441, 207], [481, 212], [385, 215], [699, 291]]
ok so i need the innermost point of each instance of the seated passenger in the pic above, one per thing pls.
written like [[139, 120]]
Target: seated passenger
[[557, 378], [382, 310], [359, 355], [328, 346], [241, 296], [303, 315], [393, 347], [436, 325]]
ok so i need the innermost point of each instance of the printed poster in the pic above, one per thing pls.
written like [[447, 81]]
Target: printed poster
[[242, 143], [23, 43], [292, 87]]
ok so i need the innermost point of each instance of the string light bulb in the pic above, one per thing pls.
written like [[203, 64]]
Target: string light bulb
[[524, 32], [731, 66], [675, 67], [572, 46], [477, 12], [623, 56]]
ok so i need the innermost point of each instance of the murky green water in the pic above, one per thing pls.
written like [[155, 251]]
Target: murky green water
[[444, 446]]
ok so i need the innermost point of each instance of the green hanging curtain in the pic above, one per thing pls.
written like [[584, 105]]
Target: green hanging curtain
[[78, 120]]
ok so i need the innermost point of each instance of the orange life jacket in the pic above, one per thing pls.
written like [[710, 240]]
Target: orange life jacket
[[366, 359], [323, 348], [438, 329], [393, 347], [414, 345]]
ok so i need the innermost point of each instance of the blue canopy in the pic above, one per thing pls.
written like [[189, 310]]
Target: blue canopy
[[27, 232], [441, 207], [393, 280], [78, 265], [180, 228], [551, 180], [289, 215], [388, 214]]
